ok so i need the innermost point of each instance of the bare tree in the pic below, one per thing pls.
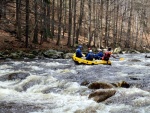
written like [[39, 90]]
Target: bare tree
[[18, 19], [70, 23], [35, 37], [59, 22], [80, 20], [27, 22]]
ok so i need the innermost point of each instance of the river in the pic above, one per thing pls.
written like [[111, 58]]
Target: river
[[53, 86]]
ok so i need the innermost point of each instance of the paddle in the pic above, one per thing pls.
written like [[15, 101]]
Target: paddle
[[117, 57], [121, 59]]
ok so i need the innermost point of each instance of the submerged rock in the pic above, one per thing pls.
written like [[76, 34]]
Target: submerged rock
[[147, 56], [135, 60], [18, 76], [14, 76], [84, 83]]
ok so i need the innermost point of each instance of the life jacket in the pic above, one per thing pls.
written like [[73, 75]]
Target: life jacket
[[107, 55], [78, 53], [90, 56]]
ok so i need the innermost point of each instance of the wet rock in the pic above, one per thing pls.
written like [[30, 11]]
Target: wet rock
[[15, 56], [53, 54], [29, 84], [121, 84], [102, 95], [21, 76], [35, 52], [135, 60], [117, 50], [84, 83], [100, 85], [147, 56], [147, 65], [14, 76], [68, 55], [29, 55], [134, 78]]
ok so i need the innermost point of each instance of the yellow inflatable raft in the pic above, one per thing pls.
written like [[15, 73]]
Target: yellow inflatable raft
[[94, 62]]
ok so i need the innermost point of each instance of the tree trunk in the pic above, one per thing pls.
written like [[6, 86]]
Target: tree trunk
[[106, 24], [74, 21], [27, 22], [53, 19], [80, 20], [18, 19], [89, 23], [70, 24], [127, 44], [59, 22], [35, 37]]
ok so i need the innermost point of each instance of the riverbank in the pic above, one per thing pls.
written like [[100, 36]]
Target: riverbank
[[10, 47]]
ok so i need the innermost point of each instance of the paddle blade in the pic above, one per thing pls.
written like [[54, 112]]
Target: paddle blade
[[121, 59]]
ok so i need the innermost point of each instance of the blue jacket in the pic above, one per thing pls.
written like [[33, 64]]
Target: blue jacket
[[90, 56], [98, 55], [78, 53]]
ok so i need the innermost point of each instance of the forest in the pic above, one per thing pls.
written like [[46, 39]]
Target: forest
[[92, 23]]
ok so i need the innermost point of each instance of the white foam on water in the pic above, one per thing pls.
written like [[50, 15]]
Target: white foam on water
[[142, 101], [139, 66], [63, 71], [133, 90], [53, 64], [8, 83], [35, 68], [71, 87], [5, 69], [5, 66], [52, 102], [69, 98], [115, 108]]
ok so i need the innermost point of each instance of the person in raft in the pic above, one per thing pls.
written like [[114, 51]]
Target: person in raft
[[79, 52], [88, 52], [108, 54], [99, 55], [90, 55]]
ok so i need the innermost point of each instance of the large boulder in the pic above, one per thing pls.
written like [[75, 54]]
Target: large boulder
[[30, 55], [53, 54], [68, 55], [117, 50], [100, 85], [16, 55], [101, 95], [121, 84]]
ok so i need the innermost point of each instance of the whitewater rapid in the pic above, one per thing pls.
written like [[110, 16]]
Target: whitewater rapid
[[54, 86]]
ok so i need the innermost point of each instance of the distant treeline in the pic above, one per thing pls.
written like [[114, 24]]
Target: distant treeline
[[102, 23]]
